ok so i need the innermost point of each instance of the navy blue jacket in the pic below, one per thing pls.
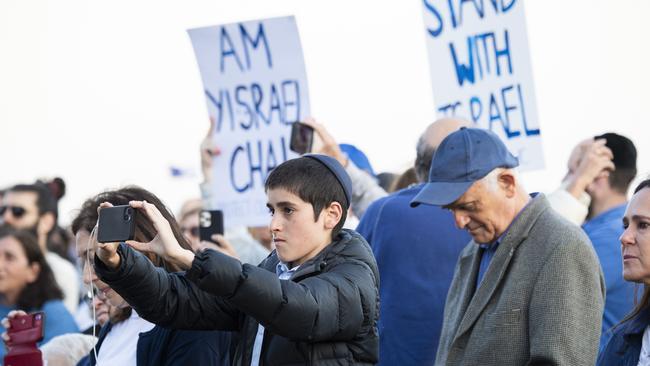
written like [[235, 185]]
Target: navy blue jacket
[[161, 346], [624, 346], [416, 251]]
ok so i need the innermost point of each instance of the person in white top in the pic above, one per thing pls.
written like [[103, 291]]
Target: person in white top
[[129, 339]]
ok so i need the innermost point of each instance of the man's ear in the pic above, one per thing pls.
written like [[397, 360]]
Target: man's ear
[[45, 223], [333, 214], [508, 182]]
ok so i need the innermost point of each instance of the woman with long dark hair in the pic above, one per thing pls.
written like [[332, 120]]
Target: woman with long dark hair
[[27, 283], [630, 342], [126, 339]]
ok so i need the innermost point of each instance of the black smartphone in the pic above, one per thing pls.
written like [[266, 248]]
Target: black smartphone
[[116, 223], [210, 223], [302, 138]]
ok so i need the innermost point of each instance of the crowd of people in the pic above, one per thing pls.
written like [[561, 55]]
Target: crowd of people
[[452, 262]]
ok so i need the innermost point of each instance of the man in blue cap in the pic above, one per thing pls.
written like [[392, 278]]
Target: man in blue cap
[[528, 288]]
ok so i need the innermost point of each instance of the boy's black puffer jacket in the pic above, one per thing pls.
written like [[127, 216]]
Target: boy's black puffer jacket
[[325, 315]]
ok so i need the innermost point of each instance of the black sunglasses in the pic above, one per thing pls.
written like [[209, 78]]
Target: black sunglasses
[[16, 211]]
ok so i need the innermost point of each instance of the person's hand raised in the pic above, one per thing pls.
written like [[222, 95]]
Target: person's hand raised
[[107, 252], [329, 146], [589, 161], [164, 243], [208, 150], [7, 324]]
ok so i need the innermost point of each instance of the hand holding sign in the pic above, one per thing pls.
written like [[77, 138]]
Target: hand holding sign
[[480, 70], [255, 87], [327, 145], [208, 151]]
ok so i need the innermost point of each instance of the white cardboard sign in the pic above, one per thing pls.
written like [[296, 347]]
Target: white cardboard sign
[[480, 70], [255, 86]]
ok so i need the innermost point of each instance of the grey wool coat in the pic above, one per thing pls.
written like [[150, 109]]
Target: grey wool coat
[[540, 302]]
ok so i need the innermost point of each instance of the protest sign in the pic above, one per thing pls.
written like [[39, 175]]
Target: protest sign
[[480, 70], [255, 86]]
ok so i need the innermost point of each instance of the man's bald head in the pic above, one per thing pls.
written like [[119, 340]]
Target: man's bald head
[[430, 140]]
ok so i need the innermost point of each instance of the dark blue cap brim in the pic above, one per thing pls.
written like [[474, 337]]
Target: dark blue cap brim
[[440, 193]]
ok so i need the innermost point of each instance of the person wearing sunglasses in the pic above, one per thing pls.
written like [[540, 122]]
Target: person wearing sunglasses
[[32, 207]]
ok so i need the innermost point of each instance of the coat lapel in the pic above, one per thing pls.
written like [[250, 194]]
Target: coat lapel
[[469, 263], [516, 234]]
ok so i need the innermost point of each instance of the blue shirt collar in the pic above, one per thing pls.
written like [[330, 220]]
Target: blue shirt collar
[[281, 269]]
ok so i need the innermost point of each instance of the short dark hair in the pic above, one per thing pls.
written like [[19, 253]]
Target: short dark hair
[[624, 161], [313, 182], [44, 288], [144, 228], [644, 184], [45, 201]]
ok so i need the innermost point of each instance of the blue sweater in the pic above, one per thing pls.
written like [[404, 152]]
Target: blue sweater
[[57, 321], [604, 232], [416, 251]]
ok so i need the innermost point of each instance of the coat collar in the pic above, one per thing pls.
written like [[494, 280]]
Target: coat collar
[[474, 300], [316, 264]]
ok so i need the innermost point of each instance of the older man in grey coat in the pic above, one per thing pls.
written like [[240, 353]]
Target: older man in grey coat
[[528, 289]]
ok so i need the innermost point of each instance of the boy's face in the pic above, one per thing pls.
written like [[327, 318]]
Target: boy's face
[[297, 237]]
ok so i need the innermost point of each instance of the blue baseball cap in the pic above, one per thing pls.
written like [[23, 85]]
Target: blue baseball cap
[[338, 170], [463, 158]]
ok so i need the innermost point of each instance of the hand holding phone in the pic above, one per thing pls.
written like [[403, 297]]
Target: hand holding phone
[[24, 332], [210, 223], [116, 224], [302, 138]]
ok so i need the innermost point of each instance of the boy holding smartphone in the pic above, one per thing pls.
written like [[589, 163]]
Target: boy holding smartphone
[[313, 301]]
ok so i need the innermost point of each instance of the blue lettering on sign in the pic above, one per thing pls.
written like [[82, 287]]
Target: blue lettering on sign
[[505, 107], [240, 94], [260, 37], [456, 11], [532, 132], [257, 103], [482, 47], [495, 115], [449, 109], [227, 50], [475, 108], [258, 158], [247, 43], [436, 30], [218, 103], [478, 9], [290, 88]]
